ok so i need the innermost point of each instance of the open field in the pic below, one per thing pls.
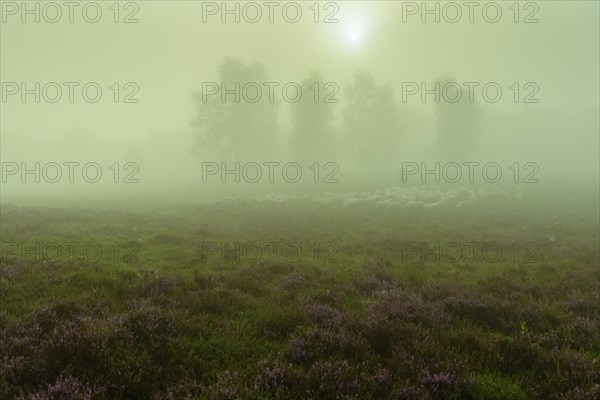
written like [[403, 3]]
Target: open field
[[300, 200], [319, 300]]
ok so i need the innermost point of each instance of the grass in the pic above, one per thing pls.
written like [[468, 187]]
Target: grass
[[354, 317]]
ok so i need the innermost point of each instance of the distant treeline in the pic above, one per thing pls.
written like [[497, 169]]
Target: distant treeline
[[238, 118]]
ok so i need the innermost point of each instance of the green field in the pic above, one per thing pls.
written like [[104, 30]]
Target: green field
[[300, 200], [344, 301]]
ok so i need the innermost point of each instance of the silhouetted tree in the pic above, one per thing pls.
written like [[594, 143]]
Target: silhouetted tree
[[228, 130], [313, 137], [371, 123], [458, 121]]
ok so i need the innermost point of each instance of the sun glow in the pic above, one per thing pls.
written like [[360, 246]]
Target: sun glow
[[354, 36], [355, 23]]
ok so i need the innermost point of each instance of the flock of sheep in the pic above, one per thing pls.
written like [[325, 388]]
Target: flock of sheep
[[391, 197]]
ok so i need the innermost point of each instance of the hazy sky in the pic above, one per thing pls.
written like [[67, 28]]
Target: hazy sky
[[171, 51]]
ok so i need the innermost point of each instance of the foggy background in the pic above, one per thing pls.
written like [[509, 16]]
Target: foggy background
[[368, 54]]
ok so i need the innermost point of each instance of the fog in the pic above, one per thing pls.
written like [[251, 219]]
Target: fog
[[375, 70], [300, 200]]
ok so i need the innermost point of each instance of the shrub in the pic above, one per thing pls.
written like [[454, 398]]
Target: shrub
[[495, 387]]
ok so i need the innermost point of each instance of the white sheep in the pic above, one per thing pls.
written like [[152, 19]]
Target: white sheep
[[433, 206], [464, 204]]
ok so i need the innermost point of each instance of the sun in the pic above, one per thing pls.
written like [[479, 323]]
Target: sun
[[355, 27], [354, 36]]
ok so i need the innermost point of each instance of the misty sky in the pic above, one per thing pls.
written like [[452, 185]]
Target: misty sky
[[170, 52]]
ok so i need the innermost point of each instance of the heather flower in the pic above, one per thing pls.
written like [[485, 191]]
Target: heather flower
[[323, 314], [67, 388]]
